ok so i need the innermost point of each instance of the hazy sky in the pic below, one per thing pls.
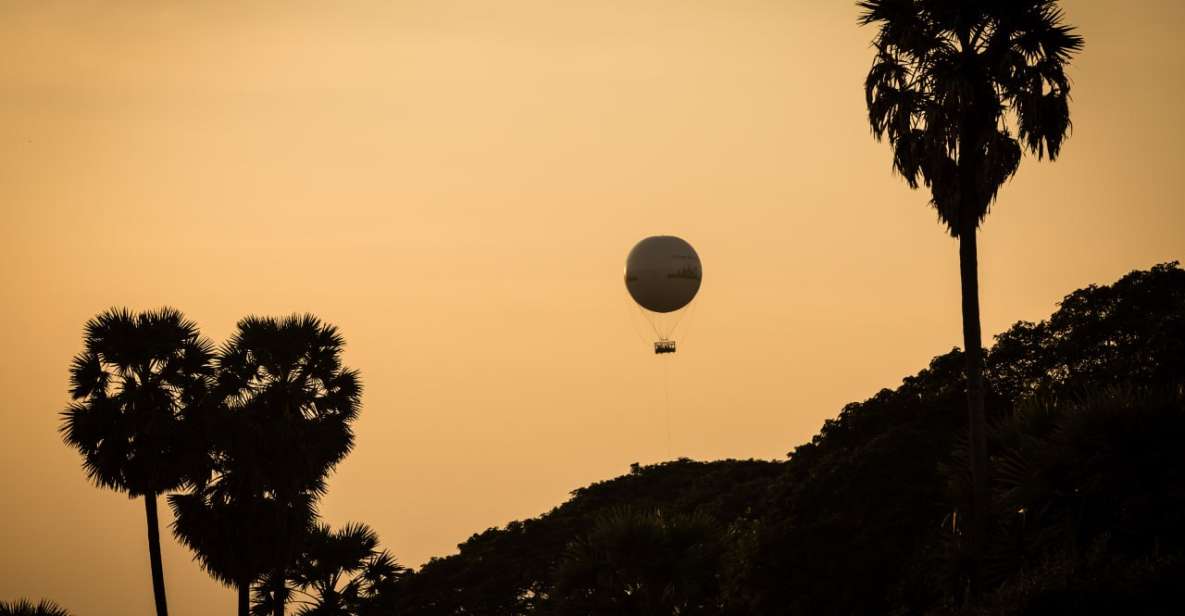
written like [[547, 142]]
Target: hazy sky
[[456, 186]]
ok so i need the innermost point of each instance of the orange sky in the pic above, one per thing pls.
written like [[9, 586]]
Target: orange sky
[[456, 186]]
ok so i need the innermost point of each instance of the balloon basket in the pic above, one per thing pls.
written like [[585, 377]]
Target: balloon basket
[[664, 346]]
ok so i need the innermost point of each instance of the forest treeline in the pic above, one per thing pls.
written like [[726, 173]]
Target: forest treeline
[[1086, 416], [1086, 420]]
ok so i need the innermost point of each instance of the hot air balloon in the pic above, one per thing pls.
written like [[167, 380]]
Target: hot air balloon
[[663, 274]]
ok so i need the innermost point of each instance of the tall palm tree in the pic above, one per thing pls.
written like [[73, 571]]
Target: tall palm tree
[[961, 87], [134, 387], [283, 425]]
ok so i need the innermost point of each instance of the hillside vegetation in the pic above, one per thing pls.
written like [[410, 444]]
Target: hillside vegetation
[[1087, 416]]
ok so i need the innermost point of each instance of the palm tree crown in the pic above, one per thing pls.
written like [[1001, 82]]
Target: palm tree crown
[[959, 86], [343, 573], [286, 375], [133, 386]]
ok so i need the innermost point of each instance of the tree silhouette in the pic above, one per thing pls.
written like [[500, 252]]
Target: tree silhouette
[[24, 607], [1131, 332], [133, 387], [641, 563], [1066, 470], [340, 573], [1090, 500], [284, 422], [237, 532], [951, 81]]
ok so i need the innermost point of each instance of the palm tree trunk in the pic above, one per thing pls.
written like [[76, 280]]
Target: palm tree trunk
[[244, 598], [158, 570], [278, 609], [976, 424]]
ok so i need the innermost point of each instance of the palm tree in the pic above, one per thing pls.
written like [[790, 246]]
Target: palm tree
[[135, 387], [951, 82], [341, 573], [26, 608], [380, 580], [238, 537], [283, 425]]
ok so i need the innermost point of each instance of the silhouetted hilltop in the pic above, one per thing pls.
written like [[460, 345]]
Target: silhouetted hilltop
[[497, 570], [1086, 418], [867, 497]]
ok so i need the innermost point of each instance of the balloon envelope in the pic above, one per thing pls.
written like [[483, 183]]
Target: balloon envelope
[[663, 273]]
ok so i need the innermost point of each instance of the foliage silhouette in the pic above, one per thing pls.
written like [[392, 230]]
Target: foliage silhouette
[[342, 573], [1089, 504], [1066, 470], [640, 563], [238, 536], [1130, 332], [881, 461], [136, 388], [858, 521], [24, 607], [950, 79], [511, 570], [286, 405]]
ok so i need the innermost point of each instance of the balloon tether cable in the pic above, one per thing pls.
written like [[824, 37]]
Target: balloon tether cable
[[666, 385]]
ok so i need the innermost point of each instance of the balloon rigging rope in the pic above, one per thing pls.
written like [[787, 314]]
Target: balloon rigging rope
[[634, 327], [688, 314], [678, 320], [651, 321]]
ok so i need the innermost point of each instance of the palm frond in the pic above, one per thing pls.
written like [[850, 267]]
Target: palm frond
[[24, 607]]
